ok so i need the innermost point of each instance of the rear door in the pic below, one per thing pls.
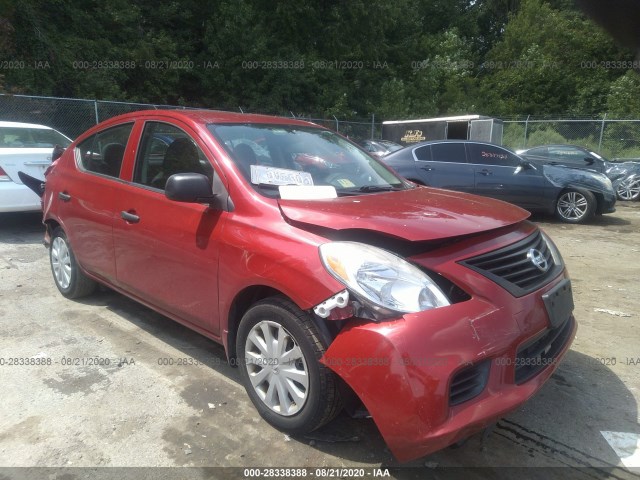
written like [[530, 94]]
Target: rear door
[[85, 188], [444, 165], [166, 251]]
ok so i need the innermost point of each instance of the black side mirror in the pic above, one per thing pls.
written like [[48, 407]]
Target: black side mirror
[[189, 188], [588, 161]]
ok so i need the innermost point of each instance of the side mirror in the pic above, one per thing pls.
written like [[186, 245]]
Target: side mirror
[[588, 161], [189, 188], [524, 165]]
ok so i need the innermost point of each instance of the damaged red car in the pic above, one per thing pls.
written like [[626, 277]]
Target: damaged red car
[[330, 280]]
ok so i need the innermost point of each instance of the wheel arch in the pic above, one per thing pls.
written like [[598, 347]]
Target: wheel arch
[[248, 297]]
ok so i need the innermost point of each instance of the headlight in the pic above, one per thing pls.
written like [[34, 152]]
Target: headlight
[[381, 279]]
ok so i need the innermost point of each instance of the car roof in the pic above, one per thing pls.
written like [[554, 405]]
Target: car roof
[[560, 145], [23, 125], [215, 116]]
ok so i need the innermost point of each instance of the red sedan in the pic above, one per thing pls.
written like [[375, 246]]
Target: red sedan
[[329, 280]]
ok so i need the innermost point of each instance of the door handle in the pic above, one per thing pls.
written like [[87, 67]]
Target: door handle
[[427, 169], [65, 197], [129, 217], [485, 172]]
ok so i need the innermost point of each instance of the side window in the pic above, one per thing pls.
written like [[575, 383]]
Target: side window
[[569, 156], [424, 153], [164, 151], [103, 152], [448, 152], [491, 155]]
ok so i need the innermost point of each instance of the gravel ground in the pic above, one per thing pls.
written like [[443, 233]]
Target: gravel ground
[[106, 399]]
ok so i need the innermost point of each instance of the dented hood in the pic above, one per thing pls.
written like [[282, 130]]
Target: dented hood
[[418, 214]]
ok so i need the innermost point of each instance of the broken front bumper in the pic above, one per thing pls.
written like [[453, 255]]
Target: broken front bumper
[[433, 378]]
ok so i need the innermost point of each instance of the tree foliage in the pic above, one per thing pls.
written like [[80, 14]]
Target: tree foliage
[[401, 59]]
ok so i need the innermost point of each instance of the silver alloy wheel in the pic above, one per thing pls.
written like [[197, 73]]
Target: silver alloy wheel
[[629, 189], [277, 368], [61, 262], [572, 205]]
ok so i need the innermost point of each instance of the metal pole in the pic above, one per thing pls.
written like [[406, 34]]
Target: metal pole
[[373, 124], [95, 108], [526, 126], [337, 123], [601, 133]]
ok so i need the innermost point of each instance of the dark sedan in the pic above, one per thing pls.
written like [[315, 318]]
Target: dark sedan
[[572, 156], [625, 176], [574, 195]]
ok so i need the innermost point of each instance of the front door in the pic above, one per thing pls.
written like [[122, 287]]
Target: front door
[[167, 251]]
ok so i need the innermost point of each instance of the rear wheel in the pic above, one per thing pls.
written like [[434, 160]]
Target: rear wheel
[[278, 348], [629, 189], [69, 279], [575, 205]]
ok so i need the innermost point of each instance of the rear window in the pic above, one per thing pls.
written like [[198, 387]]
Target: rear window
[[15, 137]]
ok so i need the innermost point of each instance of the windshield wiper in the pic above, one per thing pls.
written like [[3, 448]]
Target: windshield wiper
[[378, 188]]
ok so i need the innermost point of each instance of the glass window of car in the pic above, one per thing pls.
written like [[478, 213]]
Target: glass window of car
[[484, 154], [542, 151], [15, 137], [166, 150], [569, 155], [448, 152], [325, 157], [103, 152], [423, 153]]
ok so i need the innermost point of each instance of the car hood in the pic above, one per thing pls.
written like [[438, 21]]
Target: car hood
[[418, 214]]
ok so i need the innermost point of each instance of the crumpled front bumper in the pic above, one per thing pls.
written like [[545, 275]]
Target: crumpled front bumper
[[402, 369]]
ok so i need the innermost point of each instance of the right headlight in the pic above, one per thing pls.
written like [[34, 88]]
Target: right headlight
[[386, 283]]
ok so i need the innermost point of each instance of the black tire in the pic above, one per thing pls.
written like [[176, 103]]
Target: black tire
[[575, 205], [72, 283], [322, 401]]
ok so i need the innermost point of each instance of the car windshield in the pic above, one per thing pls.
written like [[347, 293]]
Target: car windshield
[[274, 155], [15, 137]]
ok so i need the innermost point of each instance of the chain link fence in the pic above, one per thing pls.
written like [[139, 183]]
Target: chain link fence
[[67, 115], [611, 138], [74, 116]]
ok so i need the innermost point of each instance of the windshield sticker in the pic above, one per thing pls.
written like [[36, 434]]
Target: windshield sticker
[[300, 192], [345, 183], [279, 176]]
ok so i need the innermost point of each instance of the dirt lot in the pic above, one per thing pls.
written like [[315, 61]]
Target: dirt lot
[[137, 412]]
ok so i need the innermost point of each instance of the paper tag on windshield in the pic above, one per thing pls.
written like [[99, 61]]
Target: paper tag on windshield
[[302, 192], [279, 176]]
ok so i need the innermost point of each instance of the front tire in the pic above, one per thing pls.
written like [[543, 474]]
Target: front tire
[[68, 277], [278, 349], [628, 189], [576, 205]]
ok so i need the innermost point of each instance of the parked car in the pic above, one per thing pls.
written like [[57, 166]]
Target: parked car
[[380, 148], [624, 176], [24, 147], [330, 280], [567, 155], [485, 169], [627, 175]]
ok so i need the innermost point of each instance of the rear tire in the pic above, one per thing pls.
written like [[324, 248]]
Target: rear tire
[[68, 277], [576, 205], [278, 349]]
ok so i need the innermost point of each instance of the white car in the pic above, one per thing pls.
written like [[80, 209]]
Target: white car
[[24, 147]]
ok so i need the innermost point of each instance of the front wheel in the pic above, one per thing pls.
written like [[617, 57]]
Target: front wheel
[[69, 279], [278, 349], [575, 206], [628, 189]]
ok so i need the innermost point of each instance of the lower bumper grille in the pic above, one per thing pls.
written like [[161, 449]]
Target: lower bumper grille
[[469, 382], [534, 357]]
